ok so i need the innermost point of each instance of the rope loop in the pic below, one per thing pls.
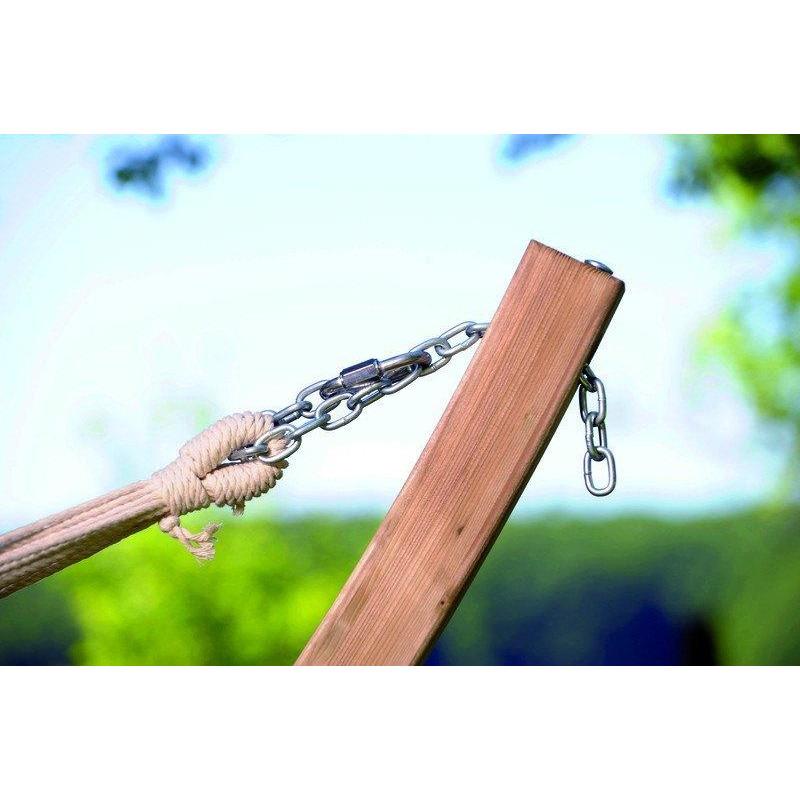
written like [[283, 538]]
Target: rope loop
[[196, 478]]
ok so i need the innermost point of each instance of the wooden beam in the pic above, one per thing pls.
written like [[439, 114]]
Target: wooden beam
[[474, 467]]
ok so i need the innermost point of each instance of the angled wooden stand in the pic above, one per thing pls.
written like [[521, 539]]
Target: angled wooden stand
[[472, 471]]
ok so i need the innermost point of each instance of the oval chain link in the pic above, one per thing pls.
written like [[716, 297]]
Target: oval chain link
[[595, 421]]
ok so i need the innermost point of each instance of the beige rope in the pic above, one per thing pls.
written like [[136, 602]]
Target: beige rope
[[192, 481]]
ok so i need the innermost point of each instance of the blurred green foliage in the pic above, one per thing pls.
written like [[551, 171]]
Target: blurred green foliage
[[756, 179], [553, 590]]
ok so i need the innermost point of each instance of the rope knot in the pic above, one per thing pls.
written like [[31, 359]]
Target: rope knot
[[195, 478]]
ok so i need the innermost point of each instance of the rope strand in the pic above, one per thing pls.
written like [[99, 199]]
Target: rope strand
[[195, 479]]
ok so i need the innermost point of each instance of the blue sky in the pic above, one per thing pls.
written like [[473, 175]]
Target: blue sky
[[129, 323]]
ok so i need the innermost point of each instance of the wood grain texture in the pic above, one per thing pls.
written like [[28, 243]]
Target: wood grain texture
[[474, 467]]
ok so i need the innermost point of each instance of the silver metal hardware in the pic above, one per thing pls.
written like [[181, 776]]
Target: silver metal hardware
[[330, 404], [583, 393], [357, 386], [395, 369], [441, 343], [599, 265], [596, 451], [362, 384], [588, 478], [260, 448]]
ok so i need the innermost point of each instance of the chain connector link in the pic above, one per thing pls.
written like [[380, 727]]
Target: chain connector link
[[588, 478], [596, 451]]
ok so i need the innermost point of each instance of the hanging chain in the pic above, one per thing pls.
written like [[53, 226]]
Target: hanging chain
[[357, 387], [595, 421], [367, 382]]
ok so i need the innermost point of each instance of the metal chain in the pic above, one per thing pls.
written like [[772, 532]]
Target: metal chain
[[595, 421], [357, 387], [362, 384]]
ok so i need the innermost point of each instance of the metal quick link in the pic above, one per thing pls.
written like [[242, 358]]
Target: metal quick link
[[595, 422], [362, 384], [357, 387]]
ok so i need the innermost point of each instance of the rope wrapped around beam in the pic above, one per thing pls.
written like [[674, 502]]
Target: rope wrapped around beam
[[194, 480]]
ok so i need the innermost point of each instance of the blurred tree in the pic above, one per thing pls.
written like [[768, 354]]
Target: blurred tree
[[145, 168], [144, 602], [517, 147], [554, 590], [756, 178]]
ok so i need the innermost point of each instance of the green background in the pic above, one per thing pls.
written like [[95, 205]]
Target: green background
[[554, 590]]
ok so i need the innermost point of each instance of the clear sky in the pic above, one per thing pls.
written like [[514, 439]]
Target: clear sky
[[128, 323]]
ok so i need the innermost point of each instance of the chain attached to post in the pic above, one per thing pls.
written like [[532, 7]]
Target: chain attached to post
[[595, 421], [362, 384], [357, 387]]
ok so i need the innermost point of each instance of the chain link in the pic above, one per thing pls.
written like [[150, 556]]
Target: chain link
[[365, 383], [596, 451], [357, 387]]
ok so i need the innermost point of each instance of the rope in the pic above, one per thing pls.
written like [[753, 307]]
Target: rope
[[194, 480]]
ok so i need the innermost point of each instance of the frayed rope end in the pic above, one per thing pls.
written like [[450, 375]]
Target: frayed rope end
[[198, 477], [200, 545]]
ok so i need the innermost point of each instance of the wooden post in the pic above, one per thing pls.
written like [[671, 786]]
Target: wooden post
[[474, 467]]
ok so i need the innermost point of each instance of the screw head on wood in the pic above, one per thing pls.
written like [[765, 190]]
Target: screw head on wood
[[599, 265]]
